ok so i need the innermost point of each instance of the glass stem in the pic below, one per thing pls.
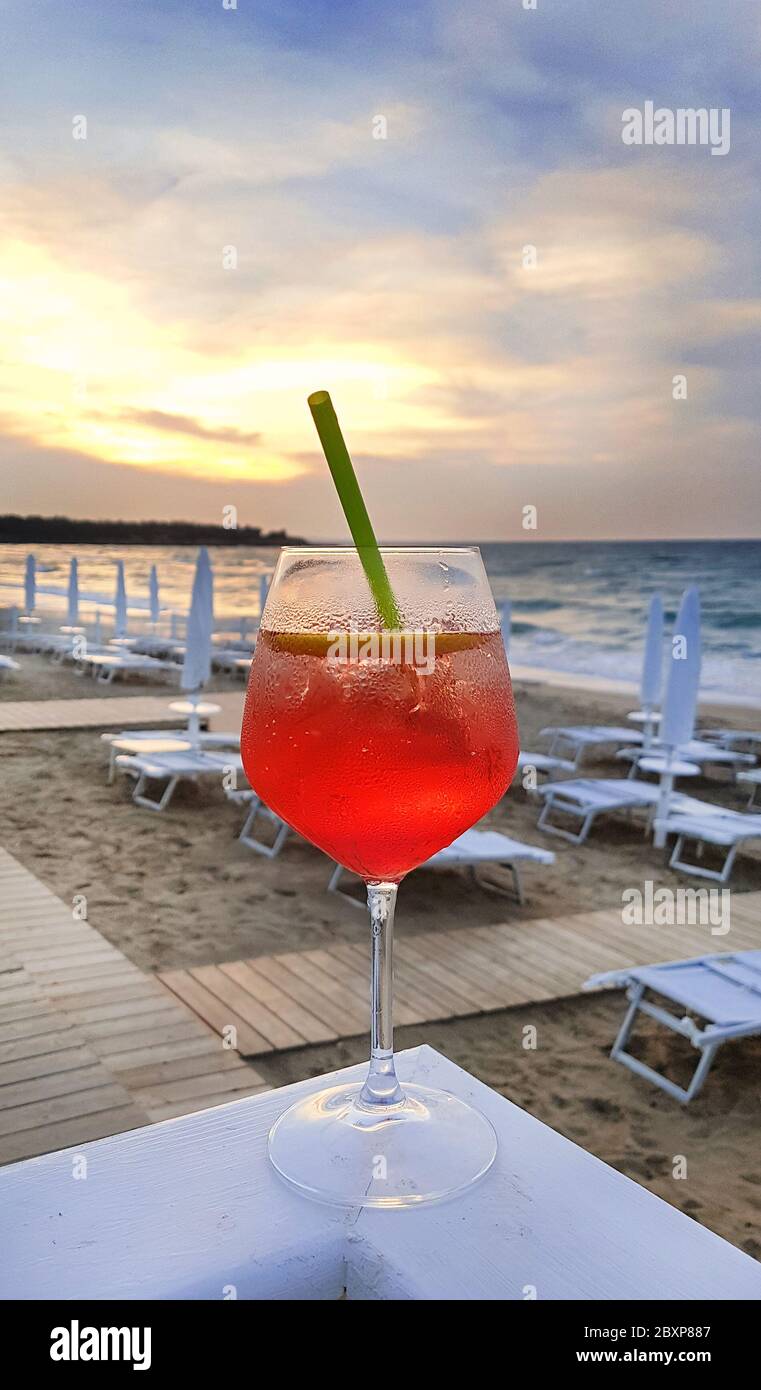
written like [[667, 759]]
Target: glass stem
[[381, 1086]]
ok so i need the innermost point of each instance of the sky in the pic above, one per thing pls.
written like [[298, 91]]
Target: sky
[[293, 195]]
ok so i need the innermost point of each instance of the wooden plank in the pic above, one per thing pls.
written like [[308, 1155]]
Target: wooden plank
[[212, 1011], [327, 1011], [530, 975], [104, 1097], [26, 1020], [478, 999], [162, 1016], [19, 992], [463, 946], [97, 713], [116, 972], [240, 1078], [141, 989], [28, 1011], [220, 1061], [127, 1008], [439, 1001], [353, 1009], [180, 1029], [70, 1081], [235, 997], [64, 1133], [468, 968], [583, 958], [344, 969], [552, 961], [38, 1046], [245, 974], [166, 1052], [78, 1055]]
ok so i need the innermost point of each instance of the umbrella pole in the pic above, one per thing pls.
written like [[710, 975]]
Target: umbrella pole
[[664, 802]]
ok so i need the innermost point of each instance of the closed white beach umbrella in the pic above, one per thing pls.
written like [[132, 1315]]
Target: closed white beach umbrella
[[153, 595], [680, 704], [72, 615], [120, 602], [683, 675], [652, 665], [196, 666], [30, 584]]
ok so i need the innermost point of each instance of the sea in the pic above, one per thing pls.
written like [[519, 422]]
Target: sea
[[577, 607]]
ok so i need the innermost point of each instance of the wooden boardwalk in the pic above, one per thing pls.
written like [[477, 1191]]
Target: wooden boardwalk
[[301, 997], [89, 1044], [115, 711]]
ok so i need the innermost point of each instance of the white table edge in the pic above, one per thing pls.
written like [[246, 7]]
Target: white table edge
[[190, 1208]]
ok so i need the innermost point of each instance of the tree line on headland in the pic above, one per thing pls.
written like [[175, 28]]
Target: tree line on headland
[[64, 530]]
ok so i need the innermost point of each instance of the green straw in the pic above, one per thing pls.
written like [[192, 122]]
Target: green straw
[[353, 503]]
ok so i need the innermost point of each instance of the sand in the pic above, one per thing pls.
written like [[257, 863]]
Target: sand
[[177, 890]]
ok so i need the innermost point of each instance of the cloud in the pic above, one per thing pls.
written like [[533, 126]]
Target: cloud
[[389, 271], [185, 424]]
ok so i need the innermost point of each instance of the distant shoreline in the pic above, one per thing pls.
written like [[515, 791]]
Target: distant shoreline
[[63, 530]]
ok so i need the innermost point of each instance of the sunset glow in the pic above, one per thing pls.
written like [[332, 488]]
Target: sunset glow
[[174, 285]]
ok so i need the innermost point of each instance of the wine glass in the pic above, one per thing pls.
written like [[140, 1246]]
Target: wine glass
[[380, 748]]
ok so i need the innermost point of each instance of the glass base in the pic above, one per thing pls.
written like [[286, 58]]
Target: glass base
[[333, 1149]]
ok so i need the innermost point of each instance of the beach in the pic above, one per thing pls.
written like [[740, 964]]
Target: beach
[[178, 890]]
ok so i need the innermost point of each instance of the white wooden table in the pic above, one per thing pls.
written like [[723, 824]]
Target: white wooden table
[[191, 1209]]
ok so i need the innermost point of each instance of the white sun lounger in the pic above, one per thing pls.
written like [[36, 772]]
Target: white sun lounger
[[730, 738], [584, 798], [234, 663], [575, 739], [690, 819], [8, 664], [713, 826], [173, 768], [753, 779], [695, 751], [257, 810], [471, 850], [105, 666], [543, 762], [725, 990], [202, 740]]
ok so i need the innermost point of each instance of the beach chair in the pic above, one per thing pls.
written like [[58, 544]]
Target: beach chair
[[544, 763], [171, 769], [201, 740], [697, 751], [233, 663], [472, 850], [257, 810], [105, 666], [574, 740], [713, 825], [583, 799], [724, 990], [733, 738], [753, 779]]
